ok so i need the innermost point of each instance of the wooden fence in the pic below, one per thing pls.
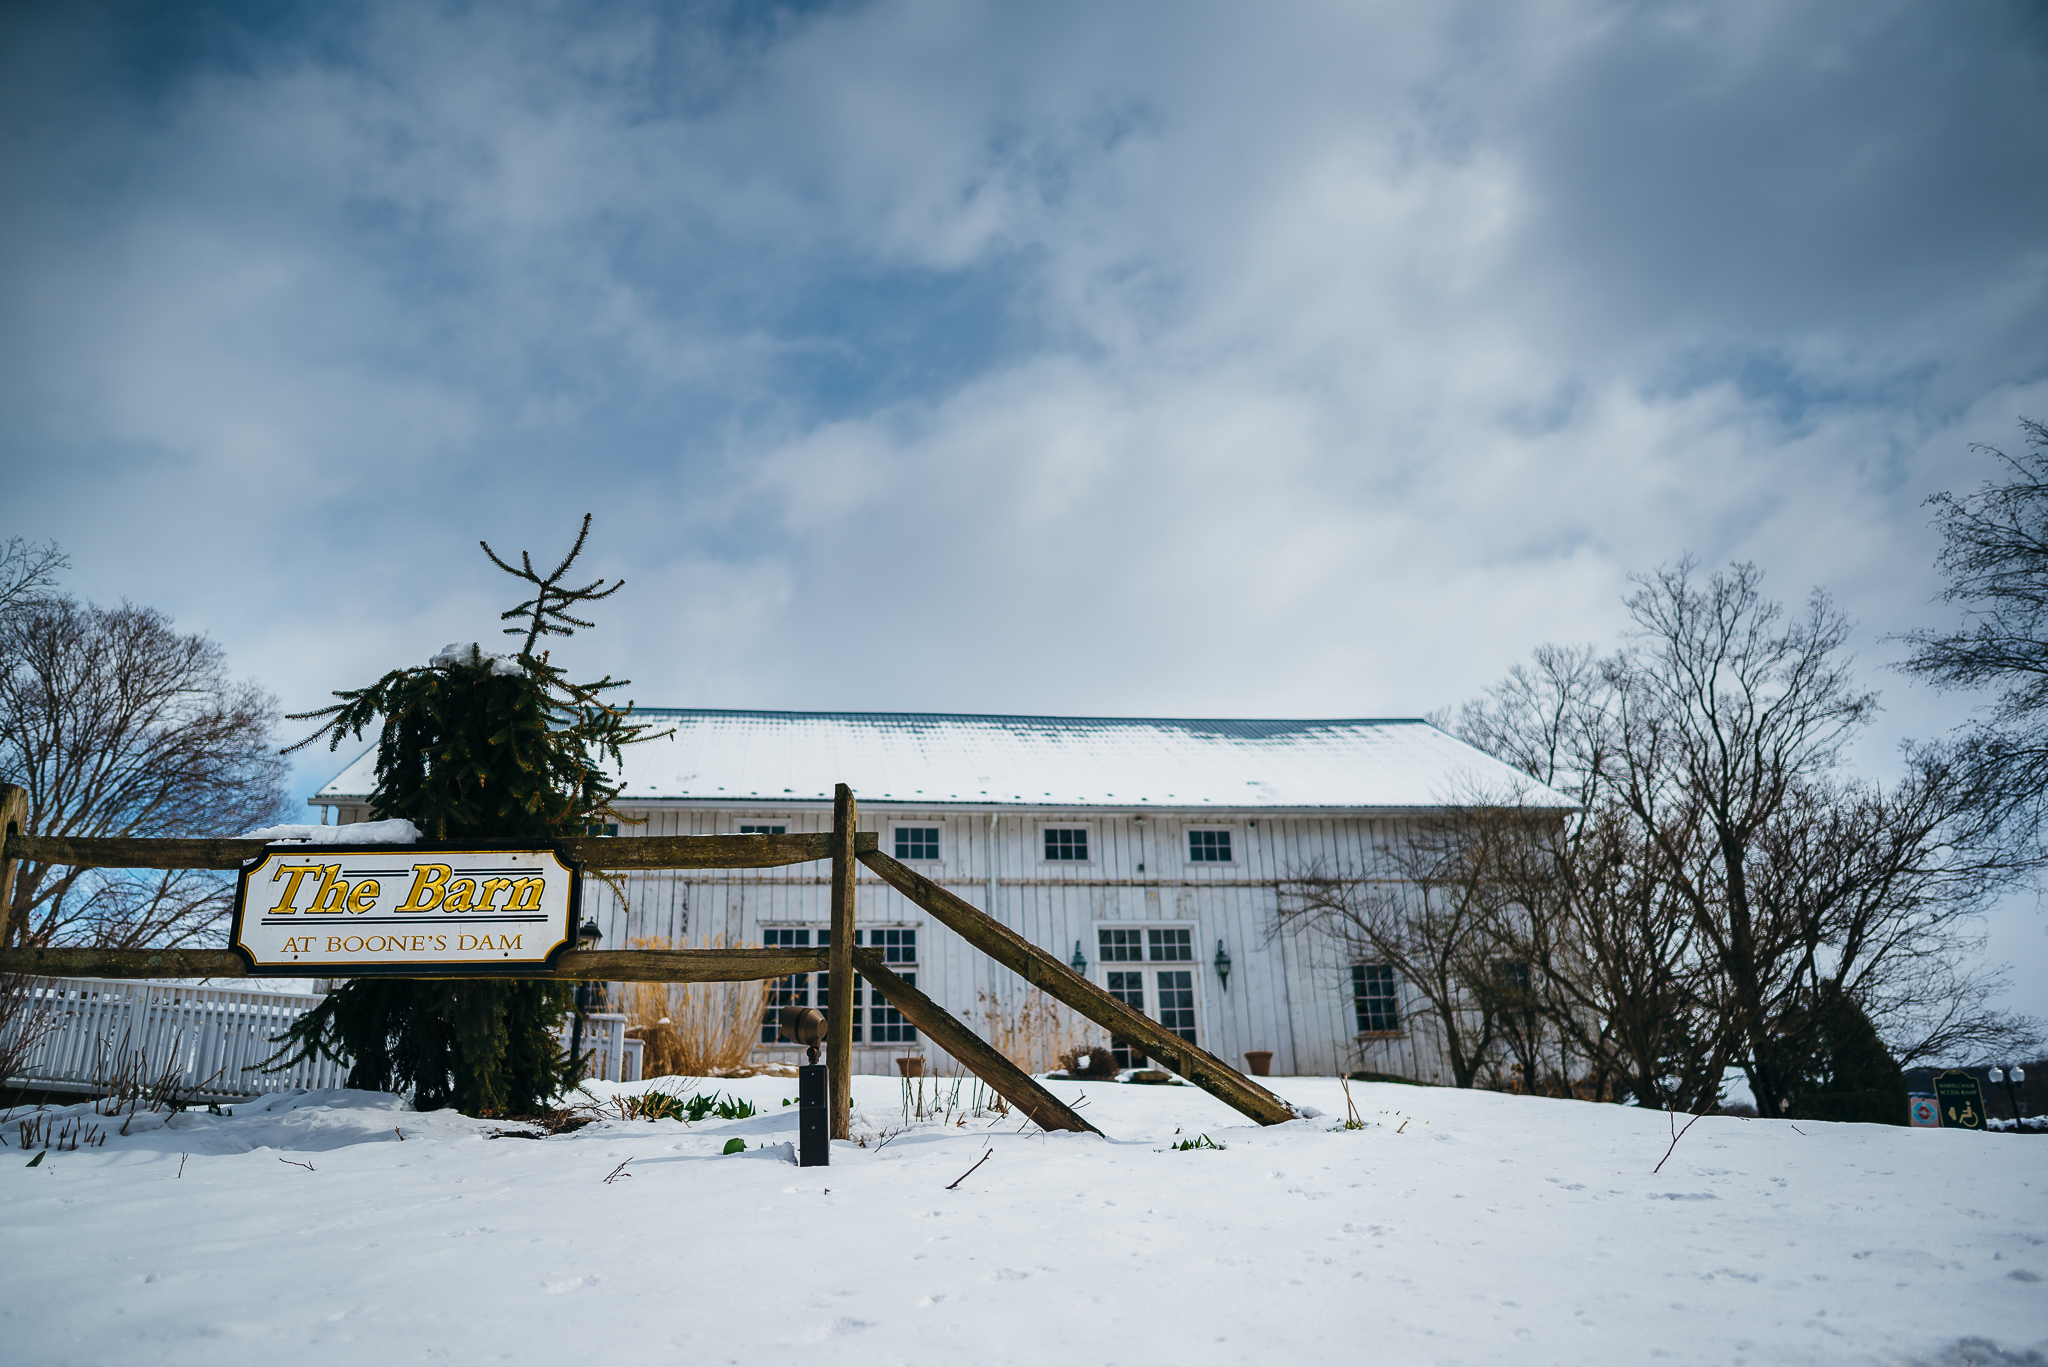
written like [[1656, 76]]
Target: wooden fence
[[843, 845]]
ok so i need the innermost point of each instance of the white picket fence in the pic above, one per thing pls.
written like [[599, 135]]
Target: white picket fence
[[607, 1053], [218, 1039]]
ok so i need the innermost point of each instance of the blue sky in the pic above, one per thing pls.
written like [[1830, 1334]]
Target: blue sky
[[1172, 359]]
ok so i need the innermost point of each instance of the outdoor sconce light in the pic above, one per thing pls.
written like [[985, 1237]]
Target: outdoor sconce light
[[1080, 960], [587, 935], [805, 1025], [1223, 965]]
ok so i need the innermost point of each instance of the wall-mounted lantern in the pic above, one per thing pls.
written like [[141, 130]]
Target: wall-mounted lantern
[[1223, 965], [1079, 961]]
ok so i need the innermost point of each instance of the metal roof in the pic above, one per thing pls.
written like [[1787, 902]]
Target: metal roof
[[928, 758]]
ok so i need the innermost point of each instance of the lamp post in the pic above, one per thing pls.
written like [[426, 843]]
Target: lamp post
[[805, 1025], [2009, 1076], [587, 936]]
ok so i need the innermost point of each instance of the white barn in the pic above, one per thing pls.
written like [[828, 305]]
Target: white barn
[[1149, 852]]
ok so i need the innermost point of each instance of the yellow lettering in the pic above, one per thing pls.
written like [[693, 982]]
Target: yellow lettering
[[489, 895], [334, 944], [461, 895], [463, 942], [333, 894], [352, 944], [284, 905], [429, 883], [525, 894], [441, 942], [364, 898]]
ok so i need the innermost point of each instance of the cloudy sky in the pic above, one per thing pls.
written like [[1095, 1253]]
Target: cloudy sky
[[1169, 359]]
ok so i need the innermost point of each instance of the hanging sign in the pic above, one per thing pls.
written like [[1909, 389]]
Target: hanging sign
[[349, 910], [1961, 1098]]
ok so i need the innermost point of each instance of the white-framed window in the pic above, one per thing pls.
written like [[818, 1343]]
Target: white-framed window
[[1065, 843], [874, 1020], [1376, 999], [1209, 845], [758, 828], [1152, 970], [917, 842]]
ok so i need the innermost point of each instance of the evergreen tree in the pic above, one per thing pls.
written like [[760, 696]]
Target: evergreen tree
[[475, 746], [1840, 1068]]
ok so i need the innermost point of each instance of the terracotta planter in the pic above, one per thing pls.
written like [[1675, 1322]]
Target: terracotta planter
[[910, 1067], [1261, 1062]]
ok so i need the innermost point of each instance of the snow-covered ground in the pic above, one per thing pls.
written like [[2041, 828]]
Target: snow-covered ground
[[1457, 1227]]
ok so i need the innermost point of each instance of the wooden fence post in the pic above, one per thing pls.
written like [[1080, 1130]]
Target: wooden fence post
[[13, 821], [839, 1017]]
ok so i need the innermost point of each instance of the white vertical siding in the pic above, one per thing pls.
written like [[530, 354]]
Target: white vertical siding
[[1290, 994]]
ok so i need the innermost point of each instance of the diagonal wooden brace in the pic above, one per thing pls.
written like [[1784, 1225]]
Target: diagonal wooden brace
[[1054, 978], [975, 1054]]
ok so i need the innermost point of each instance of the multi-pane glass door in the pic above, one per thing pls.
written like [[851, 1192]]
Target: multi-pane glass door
[[1131, 959]]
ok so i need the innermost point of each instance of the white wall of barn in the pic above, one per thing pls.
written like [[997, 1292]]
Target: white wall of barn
[[1289, 994]]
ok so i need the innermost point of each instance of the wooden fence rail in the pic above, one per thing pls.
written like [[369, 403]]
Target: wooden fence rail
[[602, 852], [1054, 978], [598, 965]]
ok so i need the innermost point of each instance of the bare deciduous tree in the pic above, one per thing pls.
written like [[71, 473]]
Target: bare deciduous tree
[[1718, 880], [1995, 555], [119, 725]]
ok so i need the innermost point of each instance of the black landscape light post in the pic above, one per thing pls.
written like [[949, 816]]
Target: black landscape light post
[[806, 1025], [587, 937], [2010, 1076]]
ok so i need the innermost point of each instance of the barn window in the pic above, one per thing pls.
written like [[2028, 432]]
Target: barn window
[[1121, 946], [1066, 844], [1177, 1003], [1128, 988], [1209, 847], [764, 830], [1375, 999], [1169, 946], [883, 1023], [874, 1020], [793, 990], [917, 842]]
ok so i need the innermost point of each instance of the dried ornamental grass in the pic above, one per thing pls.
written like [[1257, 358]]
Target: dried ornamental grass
[[1032, 1031], [694, 1029]]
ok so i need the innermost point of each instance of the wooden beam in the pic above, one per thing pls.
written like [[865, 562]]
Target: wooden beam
[[1048, 974], [13, 821], [604, 852], [839, 1017], [604, 965], [980, 1058]]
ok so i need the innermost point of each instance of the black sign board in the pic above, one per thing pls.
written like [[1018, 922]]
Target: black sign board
[[1961, 1099]]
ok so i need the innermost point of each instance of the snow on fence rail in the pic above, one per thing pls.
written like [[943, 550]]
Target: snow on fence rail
[[218, 1038]]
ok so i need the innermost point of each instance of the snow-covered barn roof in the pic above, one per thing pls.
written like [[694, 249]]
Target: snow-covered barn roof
[[925, 758]]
